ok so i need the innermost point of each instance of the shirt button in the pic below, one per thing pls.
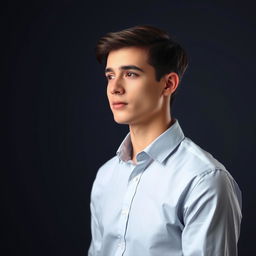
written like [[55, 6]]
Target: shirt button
[[136, 179], [124, 212], [121, 245]]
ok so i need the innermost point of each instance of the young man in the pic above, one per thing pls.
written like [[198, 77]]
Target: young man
[[161, 194]]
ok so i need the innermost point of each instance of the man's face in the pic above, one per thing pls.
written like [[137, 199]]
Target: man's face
[[134, 95]]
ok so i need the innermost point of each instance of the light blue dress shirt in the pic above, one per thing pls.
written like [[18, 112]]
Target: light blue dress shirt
[[177, 200]]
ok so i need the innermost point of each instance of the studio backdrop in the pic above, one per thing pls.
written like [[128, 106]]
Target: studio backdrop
[[60, 129]]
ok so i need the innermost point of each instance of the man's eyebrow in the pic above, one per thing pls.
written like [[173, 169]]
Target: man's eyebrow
[[127, 67]]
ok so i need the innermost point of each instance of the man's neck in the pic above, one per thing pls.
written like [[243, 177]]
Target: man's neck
[[143, 134]]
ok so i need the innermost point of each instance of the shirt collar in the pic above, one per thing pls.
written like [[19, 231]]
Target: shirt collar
[[159, 149]]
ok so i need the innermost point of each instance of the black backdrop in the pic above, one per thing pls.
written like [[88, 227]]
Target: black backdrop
[[60, 129]]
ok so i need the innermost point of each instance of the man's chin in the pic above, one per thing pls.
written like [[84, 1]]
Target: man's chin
[[121, 121]]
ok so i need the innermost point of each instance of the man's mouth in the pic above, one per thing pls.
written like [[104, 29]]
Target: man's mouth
[[119, 105]]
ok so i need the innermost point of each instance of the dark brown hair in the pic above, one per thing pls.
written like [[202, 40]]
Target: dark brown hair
[[164, 53]]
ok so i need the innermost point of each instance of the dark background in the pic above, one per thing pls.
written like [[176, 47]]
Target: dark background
[[60, 129]]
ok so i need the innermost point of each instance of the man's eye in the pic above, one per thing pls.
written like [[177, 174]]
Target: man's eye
[[109, 77], [131, 74]]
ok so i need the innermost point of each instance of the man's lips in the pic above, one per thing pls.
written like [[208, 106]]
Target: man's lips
[[119, 104]]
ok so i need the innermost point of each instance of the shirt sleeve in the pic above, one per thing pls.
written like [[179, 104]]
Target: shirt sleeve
[[95, 246], [212, 216]]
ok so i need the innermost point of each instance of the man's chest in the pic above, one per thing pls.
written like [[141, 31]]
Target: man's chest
[[145, 205]]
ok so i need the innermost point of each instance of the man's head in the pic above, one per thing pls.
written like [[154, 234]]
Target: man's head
[[143, 68], [164, 53]]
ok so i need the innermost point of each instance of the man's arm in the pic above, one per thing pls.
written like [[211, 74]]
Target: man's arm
[[212, 216], [95, 245]]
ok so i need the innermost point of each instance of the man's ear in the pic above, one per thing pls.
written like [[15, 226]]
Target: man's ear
[[171, 83]]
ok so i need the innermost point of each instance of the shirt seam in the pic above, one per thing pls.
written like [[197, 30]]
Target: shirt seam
[[200, 177]]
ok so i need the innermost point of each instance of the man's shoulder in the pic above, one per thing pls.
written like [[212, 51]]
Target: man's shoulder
[[198, 166], [105, 170], [196, 159]]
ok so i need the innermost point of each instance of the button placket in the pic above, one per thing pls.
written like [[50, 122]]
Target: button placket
[[124, 214], [127, 204]]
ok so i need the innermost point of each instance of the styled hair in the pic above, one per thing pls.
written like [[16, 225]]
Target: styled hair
[[164, 53]]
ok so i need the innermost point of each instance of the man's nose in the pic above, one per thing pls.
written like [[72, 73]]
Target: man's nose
[[117, 86]]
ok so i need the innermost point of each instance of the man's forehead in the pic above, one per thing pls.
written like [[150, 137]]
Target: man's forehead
[[127, 57]]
